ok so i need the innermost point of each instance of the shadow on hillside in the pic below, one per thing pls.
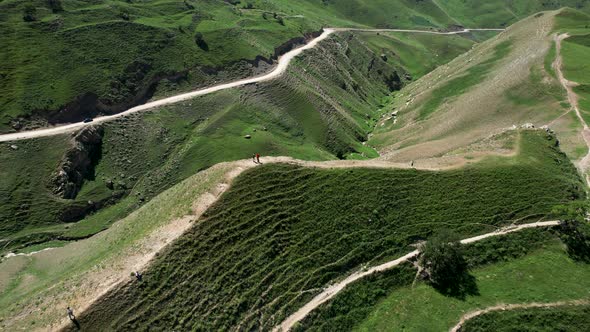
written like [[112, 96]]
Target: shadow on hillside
[[459, 287], [576, 236], [76, 324]]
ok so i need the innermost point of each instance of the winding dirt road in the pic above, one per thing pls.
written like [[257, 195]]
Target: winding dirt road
[[277, 71], [583, 164], [502, 307], [332, 290]]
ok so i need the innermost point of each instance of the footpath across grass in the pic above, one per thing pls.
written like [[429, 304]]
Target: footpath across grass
[[571, 318], [358, 301], [548, 275], [282, 232]]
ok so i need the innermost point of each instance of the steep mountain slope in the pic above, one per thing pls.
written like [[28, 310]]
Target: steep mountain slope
[[525, 267], [283, 232], [323, 108], [505, 82], [65, 60]]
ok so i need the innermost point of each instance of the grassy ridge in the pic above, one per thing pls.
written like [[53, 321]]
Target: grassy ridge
[[565, 318], [44, 281], [359, 300], [76, 46], [546, 275], [283, 231], [320, 110]]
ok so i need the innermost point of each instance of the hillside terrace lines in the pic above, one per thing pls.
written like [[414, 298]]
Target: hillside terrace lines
[[116, 277], [333, 290], [503, 307], [277, 71]]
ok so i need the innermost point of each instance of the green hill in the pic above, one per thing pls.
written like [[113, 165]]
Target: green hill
[[283, 232], [64, 60], [107, 199], [323, 108], [519, 268]]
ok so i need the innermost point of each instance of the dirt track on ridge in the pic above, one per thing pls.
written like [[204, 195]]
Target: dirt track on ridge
[[97, 285], [331, 291], [277, 71]]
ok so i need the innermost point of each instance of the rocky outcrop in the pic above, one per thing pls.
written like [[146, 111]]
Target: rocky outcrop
[[78, 162]]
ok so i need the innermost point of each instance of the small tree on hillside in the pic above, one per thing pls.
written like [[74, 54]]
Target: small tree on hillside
[[201, 42], [29, 13], [575, 229], [55, 5], [445, 265]]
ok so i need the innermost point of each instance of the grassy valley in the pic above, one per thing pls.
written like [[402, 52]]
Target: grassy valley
[[373, 143], [172, 46], [320, 110]]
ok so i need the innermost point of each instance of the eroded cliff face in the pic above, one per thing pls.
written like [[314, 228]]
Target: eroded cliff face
[[78, 162]]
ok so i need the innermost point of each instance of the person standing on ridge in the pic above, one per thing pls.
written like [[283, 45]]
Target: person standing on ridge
[[70, 312], [258, 158]]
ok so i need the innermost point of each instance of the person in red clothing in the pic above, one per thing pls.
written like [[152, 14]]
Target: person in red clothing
[[258, 158]]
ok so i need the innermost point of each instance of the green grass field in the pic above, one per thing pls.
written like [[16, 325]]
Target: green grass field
[[419, 54], [359, 301], [575, 318], [283, 231], [544, 276], [528, 266], [575, 50]]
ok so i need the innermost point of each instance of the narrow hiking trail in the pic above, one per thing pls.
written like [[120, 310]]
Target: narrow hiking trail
[[278, 70], [583, 164], [108, 279], [331, 291], [503, 307]]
